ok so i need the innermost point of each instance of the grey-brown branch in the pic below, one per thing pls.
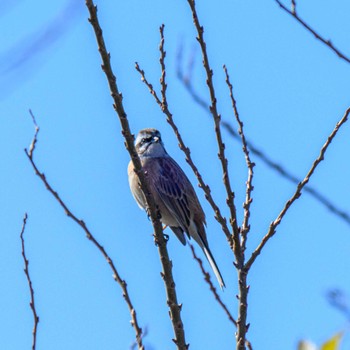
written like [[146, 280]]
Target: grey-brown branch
[[242, 326], [89, 235], [174, 306], [250, 165], [217, 126], [211, 285], [185, 79]]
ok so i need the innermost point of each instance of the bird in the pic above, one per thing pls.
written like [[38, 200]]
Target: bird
[[172, 191]]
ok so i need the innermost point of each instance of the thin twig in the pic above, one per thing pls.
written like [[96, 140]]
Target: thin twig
[[162, 81], [30, 285], [328, 43], [249, 184], [81, 223], [297, 194], [249, 345], [257, 151], [32, 145], [221, 145], [174, 306], [211, 286], [213, 290], [164, 107]]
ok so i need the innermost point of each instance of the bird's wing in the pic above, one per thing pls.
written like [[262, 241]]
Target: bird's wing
[[176, 191]]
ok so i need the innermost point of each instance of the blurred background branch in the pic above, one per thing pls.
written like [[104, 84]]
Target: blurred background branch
[[340, 301], [22, 59], [298, 192]]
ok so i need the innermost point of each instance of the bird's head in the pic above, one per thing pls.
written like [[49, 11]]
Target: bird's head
[[149, 144]]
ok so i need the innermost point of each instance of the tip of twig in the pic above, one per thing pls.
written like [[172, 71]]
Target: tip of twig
[[33, 118], [32, 145]]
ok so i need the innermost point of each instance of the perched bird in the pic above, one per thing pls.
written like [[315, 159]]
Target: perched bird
[[172, 191]]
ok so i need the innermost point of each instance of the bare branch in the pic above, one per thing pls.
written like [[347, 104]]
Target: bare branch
[[32, 145], [163, 84], [81, 223], [249, 184], [30, 285], [221, 145], [285, 173], [297, 194], [328, 43], [242, 326], [211, 286], [213, 290], [175, 307], [164, 107]]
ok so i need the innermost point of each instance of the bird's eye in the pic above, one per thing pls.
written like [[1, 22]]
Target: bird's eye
[[145, 140]]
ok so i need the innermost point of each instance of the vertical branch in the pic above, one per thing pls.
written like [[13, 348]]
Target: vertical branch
[[242, 327], [163, 85], [243, 287], [249, 184], [31, 290], [217, 120], [175, 307]]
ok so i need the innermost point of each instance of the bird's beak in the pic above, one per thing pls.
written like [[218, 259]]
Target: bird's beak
[[156, 139]]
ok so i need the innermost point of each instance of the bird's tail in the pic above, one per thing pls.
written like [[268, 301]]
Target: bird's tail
[[198, 237], [214, 266]]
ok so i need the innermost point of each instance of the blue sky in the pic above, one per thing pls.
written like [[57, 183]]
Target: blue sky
[[291, 90]]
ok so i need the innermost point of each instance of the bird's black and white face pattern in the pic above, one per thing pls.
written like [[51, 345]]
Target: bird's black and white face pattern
[[149, 144]]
